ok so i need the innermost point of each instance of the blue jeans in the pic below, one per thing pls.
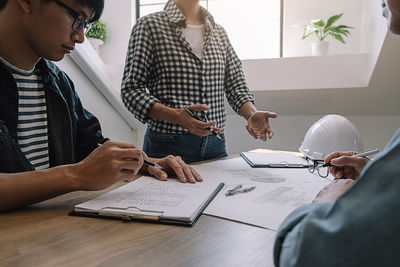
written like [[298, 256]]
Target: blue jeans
[[189, 147]]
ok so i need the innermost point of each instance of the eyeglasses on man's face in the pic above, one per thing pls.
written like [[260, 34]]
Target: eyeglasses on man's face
[[80, 20], [319, 166]]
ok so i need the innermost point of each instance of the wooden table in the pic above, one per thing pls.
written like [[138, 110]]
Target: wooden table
[[45, 235]]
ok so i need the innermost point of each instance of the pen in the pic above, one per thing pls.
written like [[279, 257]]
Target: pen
[[155, 165], [234, 189], [361, 154], [366, 153], [244, 190], [192, 114]]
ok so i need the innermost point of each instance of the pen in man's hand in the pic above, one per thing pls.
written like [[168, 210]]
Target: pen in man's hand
[[359, 155], [192, 114], [155, 165], [366, 153]]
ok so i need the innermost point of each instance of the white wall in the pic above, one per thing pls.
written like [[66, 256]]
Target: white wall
[[351, 70], [119, 18], [113, 125], [119, 21], [302, 12], [372, 34]]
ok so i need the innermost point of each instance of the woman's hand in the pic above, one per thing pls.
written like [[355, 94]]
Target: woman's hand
[[193, 125], [258, 125]]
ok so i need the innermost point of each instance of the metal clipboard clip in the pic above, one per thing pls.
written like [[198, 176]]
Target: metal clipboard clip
[[131, 213]]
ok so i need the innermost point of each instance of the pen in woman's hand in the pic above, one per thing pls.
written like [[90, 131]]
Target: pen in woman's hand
[[193, 115]]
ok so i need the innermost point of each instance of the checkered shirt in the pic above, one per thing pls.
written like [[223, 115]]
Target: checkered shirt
[[161, 67]]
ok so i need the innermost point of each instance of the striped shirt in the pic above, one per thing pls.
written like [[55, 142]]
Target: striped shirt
[[162, 67], [32, 116]]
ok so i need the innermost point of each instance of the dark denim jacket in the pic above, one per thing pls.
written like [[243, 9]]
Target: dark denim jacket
[[73, 131]]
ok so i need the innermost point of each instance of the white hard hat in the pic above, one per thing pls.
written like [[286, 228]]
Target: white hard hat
[[328, 134]]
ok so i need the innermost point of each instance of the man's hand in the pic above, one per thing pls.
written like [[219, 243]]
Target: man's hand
[[193, 125], [172, 166], [258, 125], [344, 166], [333, 190], [106, 165]]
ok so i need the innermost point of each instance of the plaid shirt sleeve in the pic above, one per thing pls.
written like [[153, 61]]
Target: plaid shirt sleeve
[[236, 90], [138, 64]]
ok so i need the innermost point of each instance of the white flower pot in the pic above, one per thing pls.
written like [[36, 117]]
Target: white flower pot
[[96, 43], [320, 48]]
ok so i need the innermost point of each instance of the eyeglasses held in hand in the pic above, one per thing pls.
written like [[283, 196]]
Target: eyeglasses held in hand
[[319, 166]]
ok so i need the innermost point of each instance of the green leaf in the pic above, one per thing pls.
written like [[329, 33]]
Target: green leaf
[[318, 23], [333, 19], [337, 37], [345, 33], [305, 35], [327, 29], [344, 27], [340, 31], [309, 30], [98, 30]]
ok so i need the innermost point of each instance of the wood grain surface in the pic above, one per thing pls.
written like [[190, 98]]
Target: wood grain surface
[[45, 235]]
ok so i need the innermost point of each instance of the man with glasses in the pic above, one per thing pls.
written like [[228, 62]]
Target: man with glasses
[[355, 220], [81, 21], [49, 144]]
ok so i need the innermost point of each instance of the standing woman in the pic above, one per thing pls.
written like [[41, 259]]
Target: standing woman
[[180, 61]]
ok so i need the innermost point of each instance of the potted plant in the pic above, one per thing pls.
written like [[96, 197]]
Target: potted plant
[[322, 30], [97, 34]]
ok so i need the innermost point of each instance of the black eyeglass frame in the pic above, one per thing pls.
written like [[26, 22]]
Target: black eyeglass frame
[[318, 165], [80, 19]]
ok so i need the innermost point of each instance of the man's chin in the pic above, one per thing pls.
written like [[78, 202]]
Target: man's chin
[[395, 28], [55, 58]]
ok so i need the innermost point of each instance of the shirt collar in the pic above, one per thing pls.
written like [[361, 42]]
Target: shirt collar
[[176, 16]]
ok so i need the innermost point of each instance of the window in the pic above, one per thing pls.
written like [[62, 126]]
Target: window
[[254, 29]]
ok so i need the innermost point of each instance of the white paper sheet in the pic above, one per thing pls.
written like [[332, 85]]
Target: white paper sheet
[[274, 158], [278, 191], [146, 195]]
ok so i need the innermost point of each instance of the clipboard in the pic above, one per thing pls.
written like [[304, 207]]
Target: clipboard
[[274, 160], [108, 206]]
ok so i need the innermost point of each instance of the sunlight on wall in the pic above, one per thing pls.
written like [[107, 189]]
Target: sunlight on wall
[[253, 28]]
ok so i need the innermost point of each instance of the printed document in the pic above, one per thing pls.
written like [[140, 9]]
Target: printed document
[[147, 197], [278, 191]]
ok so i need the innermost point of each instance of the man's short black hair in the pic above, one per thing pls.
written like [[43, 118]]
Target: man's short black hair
[[96, 6], [2, 4]]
